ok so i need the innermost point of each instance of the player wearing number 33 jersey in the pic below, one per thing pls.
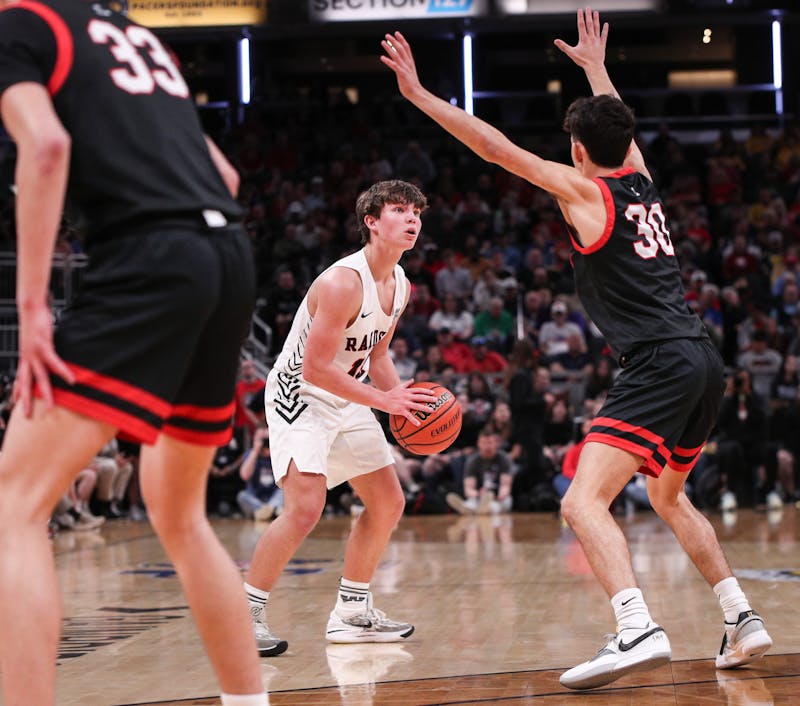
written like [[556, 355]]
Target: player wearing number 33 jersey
[[162, 165], [149, 346], [153, 336]]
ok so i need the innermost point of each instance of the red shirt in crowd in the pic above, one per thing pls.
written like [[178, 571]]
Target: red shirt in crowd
[[245, 390]]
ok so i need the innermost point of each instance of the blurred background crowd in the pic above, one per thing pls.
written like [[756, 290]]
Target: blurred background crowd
[[493, 315]]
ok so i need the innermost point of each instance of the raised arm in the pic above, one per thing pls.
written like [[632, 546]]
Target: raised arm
[[483, 139], [590, 54]]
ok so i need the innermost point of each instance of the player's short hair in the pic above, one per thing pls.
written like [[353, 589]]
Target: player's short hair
[[604, 125], [394, 191]]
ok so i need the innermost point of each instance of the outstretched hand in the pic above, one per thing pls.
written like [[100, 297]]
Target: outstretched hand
[[591, 46], [399, 59], [404, 400]]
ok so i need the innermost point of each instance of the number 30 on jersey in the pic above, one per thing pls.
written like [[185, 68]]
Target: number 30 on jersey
[[135, 76], [652, 226]]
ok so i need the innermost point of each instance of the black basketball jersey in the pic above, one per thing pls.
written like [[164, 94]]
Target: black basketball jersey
[[138, 149], [629, 281]]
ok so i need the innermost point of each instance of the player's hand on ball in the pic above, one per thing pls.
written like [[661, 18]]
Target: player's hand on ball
[[433, 430], [404, 400]]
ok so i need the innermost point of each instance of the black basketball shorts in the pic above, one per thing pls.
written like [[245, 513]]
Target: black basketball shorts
[[154, 334], [664, 404]]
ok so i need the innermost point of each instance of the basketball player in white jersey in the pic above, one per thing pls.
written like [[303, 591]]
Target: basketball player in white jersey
[[322, 429]]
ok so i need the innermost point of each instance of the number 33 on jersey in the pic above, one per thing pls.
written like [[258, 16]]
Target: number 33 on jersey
[[157, 171], [135, 76]]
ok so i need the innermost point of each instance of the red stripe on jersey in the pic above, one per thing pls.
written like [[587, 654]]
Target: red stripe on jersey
[[117, 388], [611, 215], [202, 438], [611, 211], [65, 49], [203, 414], [620, 173], [649, 465], [133, 427]]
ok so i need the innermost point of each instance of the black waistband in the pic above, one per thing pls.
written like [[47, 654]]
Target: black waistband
[[210, 221], [626, 358]]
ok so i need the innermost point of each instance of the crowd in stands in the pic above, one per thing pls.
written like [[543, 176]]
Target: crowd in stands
[[493, 313]]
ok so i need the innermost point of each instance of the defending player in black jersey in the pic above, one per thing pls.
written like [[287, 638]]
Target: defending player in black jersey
[[664, 403], [99, 111]]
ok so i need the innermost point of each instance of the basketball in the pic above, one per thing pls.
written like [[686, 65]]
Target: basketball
[[439, 427]]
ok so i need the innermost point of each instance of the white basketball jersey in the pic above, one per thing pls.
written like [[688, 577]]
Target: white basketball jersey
[[352, 354]]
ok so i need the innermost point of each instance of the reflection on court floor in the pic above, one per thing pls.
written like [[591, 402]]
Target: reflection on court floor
[[502, 605]]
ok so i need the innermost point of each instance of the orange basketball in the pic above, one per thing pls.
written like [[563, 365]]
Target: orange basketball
[[439, 428]]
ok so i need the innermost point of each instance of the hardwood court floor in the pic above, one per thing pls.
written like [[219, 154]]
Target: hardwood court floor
[[502, 606]]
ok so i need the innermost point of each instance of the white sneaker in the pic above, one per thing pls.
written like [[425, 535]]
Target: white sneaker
[[744, 642], [727, 502], [455, 501], [268, 645], [370, 626], [729, 519], [631, 649], [65, 521], [774, 501], [88, 521]]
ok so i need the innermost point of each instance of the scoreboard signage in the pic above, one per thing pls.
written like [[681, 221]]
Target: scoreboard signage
[[542, 7], [197, 13], [356, 10]]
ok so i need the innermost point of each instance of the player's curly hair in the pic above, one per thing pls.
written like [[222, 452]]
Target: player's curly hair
[[604, 125], [394, 191]]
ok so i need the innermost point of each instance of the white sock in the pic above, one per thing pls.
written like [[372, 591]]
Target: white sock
[[257, 600], [352, 597], [731, 599], [630, 609], [261, 699]]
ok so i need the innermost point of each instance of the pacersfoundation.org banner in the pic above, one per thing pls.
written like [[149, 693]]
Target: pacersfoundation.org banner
[[198, 13]]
